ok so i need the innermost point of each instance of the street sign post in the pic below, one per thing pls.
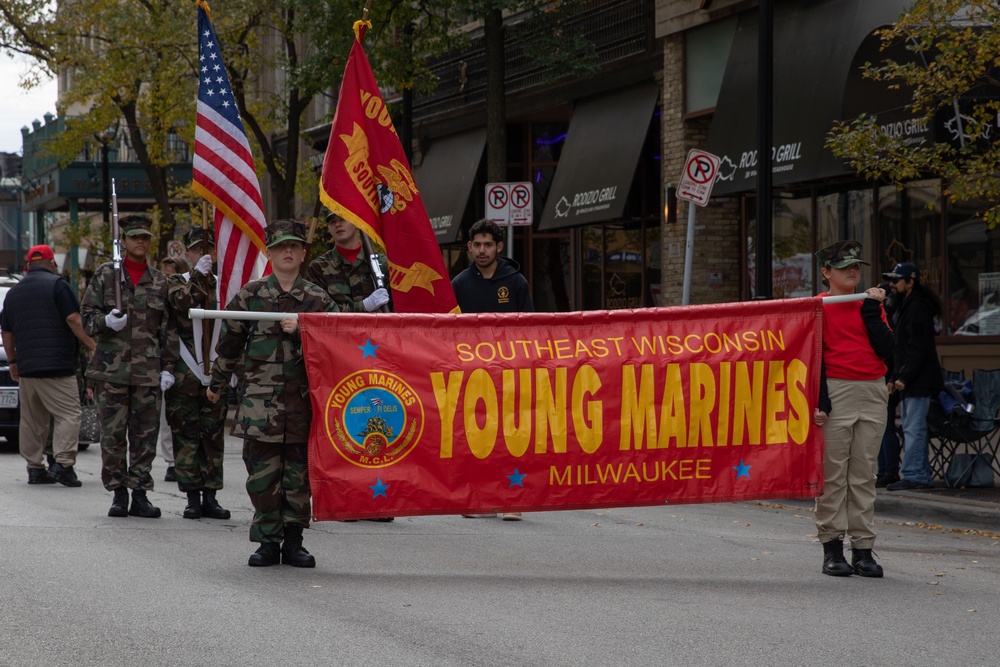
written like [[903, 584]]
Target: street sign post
[[695, 186]]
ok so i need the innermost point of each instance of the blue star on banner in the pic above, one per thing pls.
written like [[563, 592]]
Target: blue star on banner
[[516, 479], [378, 489], [368, 349], [742, 470]]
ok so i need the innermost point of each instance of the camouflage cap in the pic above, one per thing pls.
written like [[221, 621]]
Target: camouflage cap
[[136, 225], [285, 230], [196, 235], [841, 254]]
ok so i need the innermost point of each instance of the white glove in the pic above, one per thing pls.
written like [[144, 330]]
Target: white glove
[[204, 265], [376, 300], [116, 320], [166, 380]]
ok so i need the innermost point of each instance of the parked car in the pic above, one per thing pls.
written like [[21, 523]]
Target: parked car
[[10, 411]]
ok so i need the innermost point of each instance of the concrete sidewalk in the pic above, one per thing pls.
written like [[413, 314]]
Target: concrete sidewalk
[[979, 508]]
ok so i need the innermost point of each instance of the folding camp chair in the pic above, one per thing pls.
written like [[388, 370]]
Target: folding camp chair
[[978, 432]]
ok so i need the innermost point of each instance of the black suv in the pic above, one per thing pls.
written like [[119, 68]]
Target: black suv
[[10, 412]]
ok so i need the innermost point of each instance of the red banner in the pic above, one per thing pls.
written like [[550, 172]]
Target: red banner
[[449, 414], [367, 180]]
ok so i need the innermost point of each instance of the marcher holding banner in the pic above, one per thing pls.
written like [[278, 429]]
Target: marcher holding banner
[[856, 340], [197, 423], [274, 412]]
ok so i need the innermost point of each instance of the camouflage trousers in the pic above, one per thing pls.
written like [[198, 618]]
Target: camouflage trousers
[[278, 486], [130, 428], [198, 429]]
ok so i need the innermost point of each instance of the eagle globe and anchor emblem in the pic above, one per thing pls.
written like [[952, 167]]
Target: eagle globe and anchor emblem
[[373, 418]]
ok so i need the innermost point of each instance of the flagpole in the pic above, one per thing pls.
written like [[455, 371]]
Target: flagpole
[[206, 333]]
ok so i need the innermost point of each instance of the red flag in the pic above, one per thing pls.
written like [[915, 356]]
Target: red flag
[[367, 180], [224, 172]]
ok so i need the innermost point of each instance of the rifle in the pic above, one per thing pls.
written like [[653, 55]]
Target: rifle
[[116, 247], [377, 275]]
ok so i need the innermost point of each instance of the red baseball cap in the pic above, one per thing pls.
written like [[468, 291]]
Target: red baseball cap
[[40, 252]]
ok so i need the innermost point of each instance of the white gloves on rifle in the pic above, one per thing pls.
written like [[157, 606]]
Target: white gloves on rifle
[[166, 380], [376, 299], [116, 320], [204, 265]]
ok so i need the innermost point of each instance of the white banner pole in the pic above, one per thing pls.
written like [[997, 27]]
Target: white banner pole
[[202, 314]]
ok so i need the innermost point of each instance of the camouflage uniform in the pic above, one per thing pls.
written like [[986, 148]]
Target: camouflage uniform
[[126, 367], [273, 413], [347, 284], [196, 423]]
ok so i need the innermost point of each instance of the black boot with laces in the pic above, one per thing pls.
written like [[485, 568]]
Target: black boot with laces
[[863, 563], [834, 563]]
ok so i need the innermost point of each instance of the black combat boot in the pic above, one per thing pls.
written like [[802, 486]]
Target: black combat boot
[[269, 553], [193, 509], [211, 508], [292, 551], [119, 506], [142, 507], [65, 476], [834, 562], [40, 476], [864, 564]]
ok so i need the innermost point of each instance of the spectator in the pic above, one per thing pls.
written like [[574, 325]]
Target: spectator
[[491, 284], [852, 412], [888, 453], [42, 330], [916, 372]]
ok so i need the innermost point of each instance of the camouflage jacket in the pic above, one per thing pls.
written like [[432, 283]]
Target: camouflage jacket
[[136, 354], [187, 291], [270, 361], [347, 284]]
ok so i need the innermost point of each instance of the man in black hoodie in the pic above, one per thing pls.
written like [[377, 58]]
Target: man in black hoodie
[[491, 284], [916, 374]]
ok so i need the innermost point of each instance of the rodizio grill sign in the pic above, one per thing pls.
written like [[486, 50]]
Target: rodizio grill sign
[[782, 157]]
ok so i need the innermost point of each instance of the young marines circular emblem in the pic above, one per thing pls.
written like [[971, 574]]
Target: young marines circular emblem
[[373, 418]]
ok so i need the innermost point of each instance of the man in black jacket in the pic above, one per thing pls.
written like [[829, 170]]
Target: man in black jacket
[[41, 326], [491, 284], [916, 373]]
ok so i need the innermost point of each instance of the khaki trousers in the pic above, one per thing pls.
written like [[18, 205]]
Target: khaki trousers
[[42, 399], [853, 435]]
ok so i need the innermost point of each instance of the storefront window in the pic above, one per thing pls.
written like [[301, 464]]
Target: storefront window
[[792, 250], [909, 231], [620, 266], [844, 215], [552, 269], [973, 273]]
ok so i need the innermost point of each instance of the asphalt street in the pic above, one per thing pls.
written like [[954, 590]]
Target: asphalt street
[[723, 584]]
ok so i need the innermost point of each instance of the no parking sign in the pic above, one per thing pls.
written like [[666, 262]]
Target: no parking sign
[[698, 177], [509, 203]]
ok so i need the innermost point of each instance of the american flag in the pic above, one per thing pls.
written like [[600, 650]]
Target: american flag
[[224, 171]]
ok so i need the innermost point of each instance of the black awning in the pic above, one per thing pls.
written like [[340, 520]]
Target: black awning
[[598, 163], [445, 179], [815, 44]]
